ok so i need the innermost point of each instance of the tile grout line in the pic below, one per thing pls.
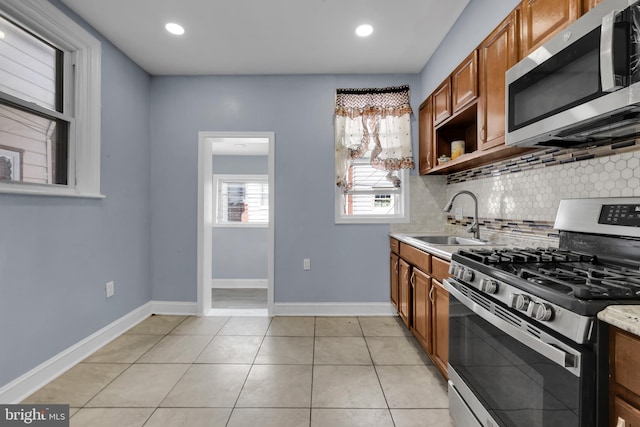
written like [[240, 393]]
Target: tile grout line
[[253, 363]]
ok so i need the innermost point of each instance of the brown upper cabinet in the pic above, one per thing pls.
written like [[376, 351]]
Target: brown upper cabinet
[[425, 140], [442, 102], [542, 19], [464, 82], [470, 104], [498, 52]]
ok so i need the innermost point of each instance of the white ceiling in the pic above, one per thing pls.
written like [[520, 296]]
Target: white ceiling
[[273, 36]]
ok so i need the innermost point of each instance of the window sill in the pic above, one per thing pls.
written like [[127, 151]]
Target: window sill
[[49, 191], [372, 220]]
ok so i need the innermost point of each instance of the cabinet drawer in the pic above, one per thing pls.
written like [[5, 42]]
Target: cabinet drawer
[[439, 269], [416, 257], [394, 245], [625, 414], [627, 359]]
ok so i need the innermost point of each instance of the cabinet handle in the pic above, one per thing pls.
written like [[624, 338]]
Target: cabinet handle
[[431, 294], [412, 280], [483, 134], [621, 422]]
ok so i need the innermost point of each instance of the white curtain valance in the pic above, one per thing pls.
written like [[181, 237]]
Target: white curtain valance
[[375, 121]]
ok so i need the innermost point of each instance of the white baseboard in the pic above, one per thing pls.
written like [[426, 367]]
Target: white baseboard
[[23, 386], [239, 283], [334, 309], [175, 307]]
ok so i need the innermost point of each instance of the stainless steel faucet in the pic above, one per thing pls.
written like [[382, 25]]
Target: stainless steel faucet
[[474, 227]]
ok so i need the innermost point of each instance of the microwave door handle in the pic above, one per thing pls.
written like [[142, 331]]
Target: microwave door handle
[[607, 72]]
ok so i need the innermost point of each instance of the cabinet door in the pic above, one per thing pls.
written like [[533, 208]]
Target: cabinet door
[[464, 81], [440, 326], [404, 292], [425, 136], [394, 266], [498, 52], [442, 102], [422, 308], [624, 415], [542, 19]]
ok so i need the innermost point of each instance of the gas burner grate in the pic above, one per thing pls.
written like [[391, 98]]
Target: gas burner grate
[[586, 283], [515, 255]]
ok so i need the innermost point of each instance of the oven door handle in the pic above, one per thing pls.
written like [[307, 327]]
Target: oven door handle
[[547, 347]]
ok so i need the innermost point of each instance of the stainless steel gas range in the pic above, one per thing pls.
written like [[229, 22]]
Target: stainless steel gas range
[[525, 347]]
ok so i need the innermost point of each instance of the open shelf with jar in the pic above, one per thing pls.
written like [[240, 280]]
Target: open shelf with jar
[[461, 127]]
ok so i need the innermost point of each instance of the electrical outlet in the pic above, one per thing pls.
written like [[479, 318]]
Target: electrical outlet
[[458, 213], [307, 264], [110, 289]]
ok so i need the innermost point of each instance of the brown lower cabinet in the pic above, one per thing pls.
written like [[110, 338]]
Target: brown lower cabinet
[[423, 302], [624, 377], [404, 293]]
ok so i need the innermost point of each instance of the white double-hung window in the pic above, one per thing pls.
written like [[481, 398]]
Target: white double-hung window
[[241, 200], [374, 195], [49, 102]]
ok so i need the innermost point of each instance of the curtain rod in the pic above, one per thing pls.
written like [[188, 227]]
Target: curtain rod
[[391, 89]]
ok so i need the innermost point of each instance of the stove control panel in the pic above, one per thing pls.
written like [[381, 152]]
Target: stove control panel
[[571, 325], [625, 215]]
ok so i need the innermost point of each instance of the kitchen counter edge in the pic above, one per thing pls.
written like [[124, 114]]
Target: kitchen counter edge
[[625, 317], [441, 251]]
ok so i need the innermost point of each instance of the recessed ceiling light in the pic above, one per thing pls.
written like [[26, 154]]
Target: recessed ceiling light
[[174, 28], [364, 30], [1, 35]]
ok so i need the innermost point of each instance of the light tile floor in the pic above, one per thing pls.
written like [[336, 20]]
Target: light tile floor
[[171, 371]]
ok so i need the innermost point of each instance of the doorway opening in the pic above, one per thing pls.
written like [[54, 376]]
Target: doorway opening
[[235, 223]]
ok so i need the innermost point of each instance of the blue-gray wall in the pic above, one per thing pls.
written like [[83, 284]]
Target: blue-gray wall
[[475, 23], [56, 254], [349, 263], [240, 253]]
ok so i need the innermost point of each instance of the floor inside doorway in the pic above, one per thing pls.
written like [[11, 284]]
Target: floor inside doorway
[[239, 298]]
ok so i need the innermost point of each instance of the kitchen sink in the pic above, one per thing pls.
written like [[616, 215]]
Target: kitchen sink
[[449, 240]]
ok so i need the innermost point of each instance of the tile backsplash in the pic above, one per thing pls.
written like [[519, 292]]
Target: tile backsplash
[[511, 195]]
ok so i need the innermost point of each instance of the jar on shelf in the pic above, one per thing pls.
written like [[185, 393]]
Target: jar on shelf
[[457, 149]]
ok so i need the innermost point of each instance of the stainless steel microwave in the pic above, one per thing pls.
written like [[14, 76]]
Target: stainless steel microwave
[[582, 87]]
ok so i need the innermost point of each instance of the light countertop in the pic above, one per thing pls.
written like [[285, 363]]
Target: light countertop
[[444, 251], [625, 317]]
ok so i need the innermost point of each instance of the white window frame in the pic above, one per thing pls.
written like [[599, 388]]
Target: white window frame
[[83, 76], [216, 200], [398, 218]]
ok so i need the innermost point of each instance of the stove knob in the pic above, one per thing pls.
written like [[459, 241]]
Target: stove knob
[[489, 286], [452, 269], [520, 302], [467, 275], [541, 311]]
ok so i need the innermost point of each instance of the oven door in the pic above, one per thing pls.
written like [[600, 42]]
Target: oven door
[[505, 371]]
